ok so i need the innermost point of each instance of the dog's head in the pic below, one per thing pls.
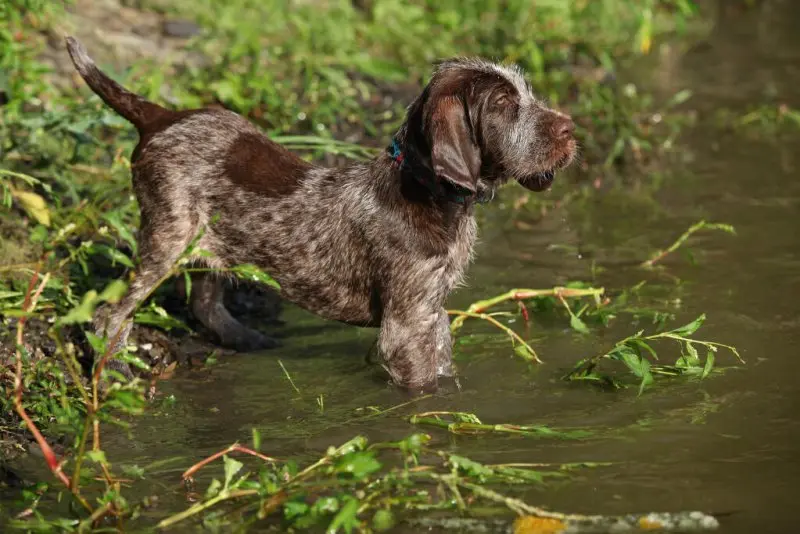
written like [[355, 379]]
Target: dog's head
[[478, 123]]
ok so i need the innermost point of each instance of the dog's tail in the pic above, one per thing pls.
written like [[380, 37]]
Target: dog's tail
[[136, 109]]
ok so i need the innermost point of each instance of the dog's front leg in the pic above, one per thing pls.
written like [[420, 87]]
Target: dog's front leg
[[444, 346], [408, 343]]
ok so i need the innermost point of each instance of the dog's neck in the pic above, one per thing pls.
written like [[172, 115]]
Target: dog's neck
[[407, 161]]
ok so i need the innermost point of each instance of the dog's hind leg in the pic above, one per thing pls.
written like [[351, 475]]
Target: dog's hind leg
[[163, 238], [208, 308]]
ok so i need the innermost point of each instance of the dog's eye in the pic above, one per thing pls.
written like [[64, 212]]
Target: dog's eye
[[501, 100]]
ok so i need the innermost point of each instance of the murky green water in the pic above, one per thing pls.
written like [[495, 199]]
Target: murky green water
[[724, 445]]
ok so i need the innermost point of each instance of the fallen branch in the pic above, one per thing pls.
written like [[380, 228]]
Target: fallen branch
[[527, 353], [520, 295], [696, 227], [187, 475], [199, 507], [467, 423]]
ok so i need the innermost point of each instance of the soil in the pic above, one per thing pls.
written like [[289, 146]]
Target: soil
[[118, 36]]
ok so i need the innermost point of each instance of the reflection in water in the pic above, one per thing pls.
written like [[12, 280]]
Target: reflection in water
[[725, 445]]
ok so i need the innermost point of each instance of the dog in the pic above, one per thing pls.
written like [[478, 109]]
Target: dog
[[375, 244]]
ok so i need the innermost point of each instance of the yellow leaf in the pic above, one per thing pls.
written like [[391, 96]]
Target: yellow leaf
[[34, 205], [650, 524], [530, 524], [644, 46], [646, 31]]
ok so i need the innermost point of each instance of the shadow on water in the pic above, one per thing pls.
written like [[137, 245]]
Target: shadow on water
[[723, 445]]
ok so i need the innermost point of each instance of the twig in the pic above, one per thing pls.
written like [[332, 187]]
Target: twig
[[31, 298], [474, 426], [525, 294], [288, 376], [514, 336], [93, 408], [76, 475], [668, 335], [199, 507], [637, 342], [516, 505], [387, 410], [322, 461], [18, 267], [661, 254], [86, 524], [187, 475], [88, 169], [524, 311]]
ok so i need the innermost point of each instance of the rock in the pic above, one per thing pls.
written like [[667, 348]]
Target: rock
[[4, 94], [180, 28]]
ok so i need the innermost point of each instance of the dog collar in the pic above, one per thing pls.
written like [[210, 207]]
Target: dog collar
[[459, 195]]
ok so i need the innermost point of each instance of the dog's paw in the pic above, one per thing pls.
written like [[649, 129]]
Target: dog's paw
[[251, 341], [445, 369]]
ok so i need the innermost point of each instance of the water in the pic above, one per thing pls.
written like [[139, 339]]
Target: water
[[724, 445]]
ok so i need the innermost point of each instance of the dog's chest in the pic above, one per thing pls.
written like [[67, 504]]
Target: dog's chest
[[459, 253]]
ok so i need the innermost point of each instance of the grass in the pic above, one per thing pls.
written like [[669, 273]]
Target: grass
[[329, 80]]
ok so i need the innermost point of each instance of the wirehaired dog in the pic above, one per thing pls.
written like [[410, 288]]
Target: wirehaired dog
[[377, 244]]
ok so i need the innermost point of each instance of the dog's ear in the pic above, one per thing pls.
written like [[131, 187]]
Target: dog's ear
[[454, 155]]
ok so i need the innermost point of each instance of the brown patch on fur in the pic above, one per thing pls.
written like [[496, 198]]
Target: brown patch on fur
[[263, 166]]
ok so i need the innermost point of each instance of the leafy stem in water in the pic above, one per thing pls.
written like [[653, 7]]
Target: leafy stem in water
[[636, 351]]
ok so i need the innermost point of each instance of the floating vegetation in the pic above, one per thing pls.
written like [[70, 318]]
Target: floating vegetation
[[468, 423], [696, 227], [765, 118], [369, 487], [638, 355]]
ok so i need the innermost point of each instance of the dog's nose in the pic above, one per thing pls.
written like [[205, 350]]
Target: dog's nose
[[563, 127]]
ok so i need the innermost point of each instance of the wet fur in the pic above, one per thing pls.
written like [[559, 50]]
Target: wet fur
[[365, 244]]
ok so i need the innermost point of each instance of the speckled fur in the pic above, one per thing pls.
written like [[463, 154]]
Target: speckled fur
[[366, 244]]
